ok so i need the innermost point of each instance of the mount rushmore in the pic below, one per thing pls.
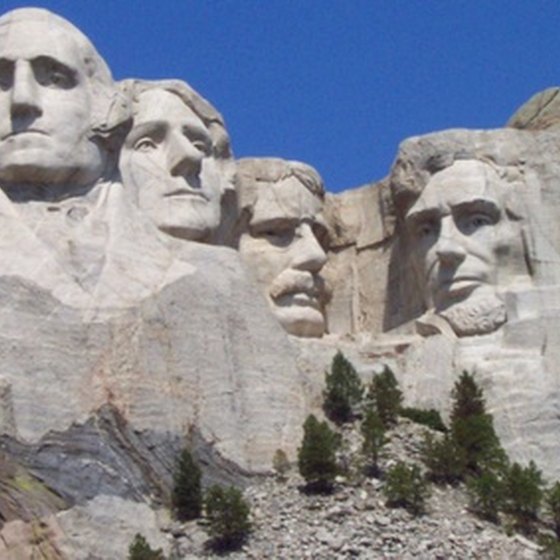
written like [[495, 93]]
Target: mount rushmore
[[157, 292]]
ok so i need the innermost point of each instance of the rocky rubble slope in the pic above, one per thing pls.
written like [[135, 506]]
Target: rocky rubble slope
[[354, 522]]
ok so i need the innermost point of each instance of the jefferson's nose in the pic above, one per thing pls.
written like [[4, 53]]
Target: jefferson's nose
[[308, 253], [449, 247], [25, 96], [183, 158]]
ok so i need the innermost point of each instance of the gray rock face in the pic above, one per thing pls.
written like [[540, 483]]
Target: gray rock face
[[127, 332]]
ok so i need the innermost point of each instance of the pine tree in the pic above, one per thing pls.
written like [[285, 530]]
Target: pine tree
[[384, 392], [139, 549], [187, 491], [445, 459], [317, 455], [553, 504], [523, 494], [486, 494], [373, 432], [467, 398], [228, 516], [343, 390], [473, 429], [405, 487]]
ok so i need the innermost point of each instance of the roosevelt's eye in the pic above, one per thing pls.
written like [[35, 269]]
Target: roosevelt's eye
[[278, 236], [145, 144]]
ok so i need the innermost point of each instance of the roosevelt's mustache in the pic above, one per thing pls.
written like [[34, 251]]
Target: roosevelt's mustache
[[292, 281]]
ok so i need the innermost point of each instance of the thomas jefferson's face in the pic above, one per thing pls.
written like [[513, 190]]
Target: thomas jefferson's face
[[167, 160], [45, 107], [283, 248], [459, 231]]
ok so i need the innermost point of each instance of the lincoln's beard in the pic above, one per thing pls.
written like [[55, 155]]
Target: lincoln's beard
[[476, 315]]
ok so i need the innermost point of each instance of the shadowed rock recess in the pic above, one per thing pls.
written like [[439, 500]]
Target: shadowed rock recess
[[157, 294]]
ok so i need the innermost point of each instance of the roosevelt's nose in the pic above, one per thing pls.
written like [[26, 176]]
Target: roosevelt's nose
[[183, 158], [25, 95], [308, 253], [449, 247]]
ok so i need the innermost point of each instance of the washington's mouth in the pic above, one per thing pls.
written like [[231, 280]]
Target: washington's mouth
[[185, 192], [23, 133]]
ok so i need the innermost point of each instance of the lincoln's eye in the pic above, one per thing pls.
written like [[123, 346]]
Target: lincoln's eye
[[425, 229], [475, 221], [145, 144]]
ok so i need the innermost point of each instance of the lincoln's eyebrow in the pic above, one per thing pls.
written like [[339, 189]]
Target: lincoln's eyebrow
[[416, 216], [484, 205]]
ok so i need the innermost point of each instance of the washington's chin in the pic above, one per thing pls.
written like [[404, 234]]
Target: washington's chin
[[41, 162], [301, 320]]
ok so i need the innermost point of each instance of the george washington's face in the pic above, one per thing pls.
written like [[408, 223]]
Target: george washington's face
[[283, 248], [167, 160], [45, 107]]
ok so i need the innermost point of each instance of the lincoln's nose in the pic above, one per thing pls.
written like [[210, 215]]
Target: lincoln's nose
[[449, 248]]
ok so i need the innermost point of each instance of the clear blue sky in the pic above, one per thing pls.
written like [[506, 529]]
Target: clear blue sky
[[335, 83]]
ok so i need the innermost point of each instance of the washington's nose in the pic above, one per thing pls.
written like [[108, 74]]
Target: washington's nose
[[25, 101], [182, 157], [309, 255], [449, 248]]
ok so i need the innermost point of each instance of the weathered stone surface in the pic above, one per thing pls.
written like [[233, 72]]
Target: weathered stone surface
[[541, 112], [127, 332]]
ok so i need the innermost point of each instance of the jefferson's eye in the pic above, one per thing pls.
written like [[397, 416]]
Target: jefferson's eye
[[145, 144], [202, 146]]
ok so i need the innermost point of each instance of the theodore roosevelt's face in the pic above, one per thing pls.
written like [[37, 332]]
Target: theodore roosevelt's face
[[458, 230], [283, 248], [167, 160], [45, 107]]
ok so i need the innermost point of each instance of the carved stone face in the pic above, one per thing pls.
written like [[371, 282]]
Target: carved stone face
[[45, 107], [283, 249], [460, 232], [167, 160]]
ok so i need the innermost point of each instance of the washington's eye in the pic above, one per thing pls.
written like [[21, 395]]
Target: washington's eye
[[53, 74], [6, 74], [145, 144]]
